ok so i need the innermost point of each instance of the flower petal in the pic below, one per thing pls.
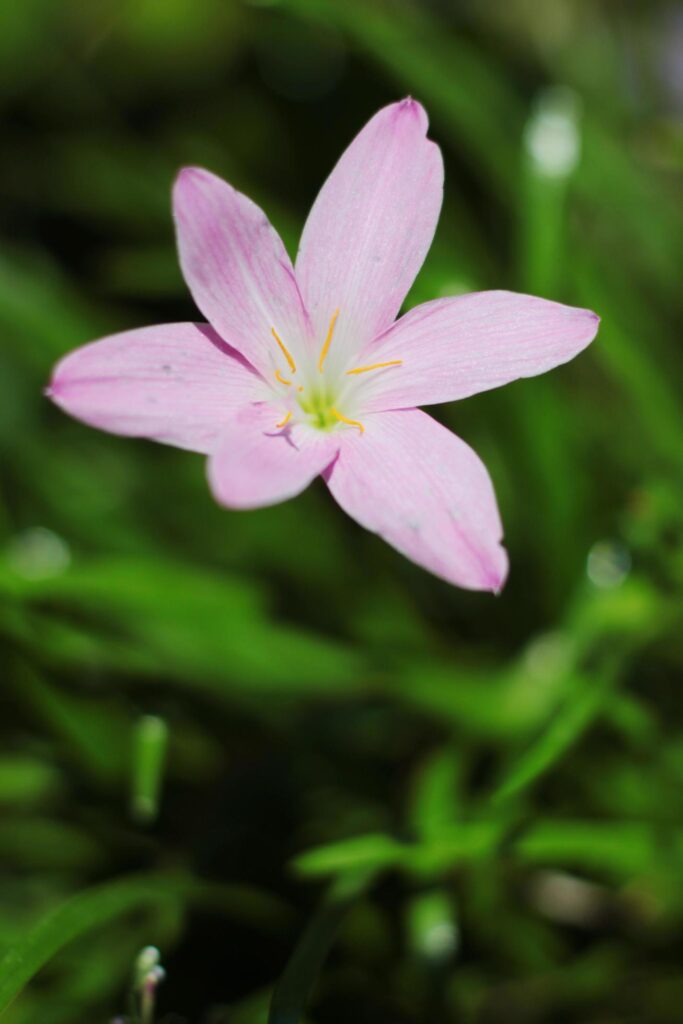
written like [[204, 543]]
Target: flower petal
[[370, 228], [426, 492], [256, 464], [455, 347], [175, 383], [237, 269]]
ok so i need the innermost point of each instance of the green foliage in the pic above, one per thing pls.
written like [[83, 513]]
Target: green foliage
[[95, 908], [476, 799]]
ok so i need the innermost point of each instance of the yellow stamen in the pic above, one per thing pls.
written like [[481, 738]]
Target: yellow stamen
[[283, 380], [285, 421], [285, 351], [328, 340], [375, 366], [343, 419]]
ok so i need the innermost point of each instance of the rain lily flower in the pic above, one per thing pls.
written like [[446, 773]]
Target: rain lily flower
[[303, 370]]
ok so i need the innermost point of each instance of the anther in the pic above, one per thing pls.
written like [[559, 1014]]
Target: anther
[[343, 419], [283, 380], [328, 340], [285, 421], [284, 349], [375, 366]]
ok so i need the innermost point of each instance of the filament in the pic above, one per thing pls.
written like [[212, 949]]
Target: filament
[[328, 340], [375, 366], [285, 350], [343, 419]]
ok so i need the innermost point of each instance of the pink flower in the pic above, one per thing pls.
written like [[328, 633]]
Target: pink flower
[[303, 371]]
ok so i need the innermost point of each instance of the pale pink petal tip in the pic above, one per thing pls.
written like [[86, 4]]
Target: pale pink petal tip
[[497, 577], [187, 181], [423, 490], [411, 106], [191, 174], [454, 347], [489, 571], [370, 228], [236, 266], [175, 383]]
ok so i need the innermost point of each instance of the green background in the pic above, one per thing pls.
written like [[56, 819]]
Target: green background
[[497, 780]]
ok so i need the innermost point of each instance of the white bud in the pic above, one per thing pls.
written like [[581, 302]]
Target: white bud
[[146, 964], [551, 135]]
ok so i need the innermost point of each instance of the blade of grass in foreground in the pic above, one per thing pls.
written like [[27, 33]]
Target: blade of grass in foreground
[[96, 907], [292, 991]]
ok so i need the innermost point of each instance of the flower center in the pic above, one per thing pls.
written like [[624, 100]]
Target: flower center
[[318, 405], [317, 400]]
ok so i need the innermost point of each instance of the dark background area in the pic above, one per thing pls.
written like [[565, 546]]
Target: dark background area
[[504, 773]]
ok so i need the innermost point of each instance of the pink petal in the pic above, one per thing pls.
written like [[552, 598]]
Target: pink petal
[[237, 269], [425, 492], [370, 227], [176, 383], [455, 347], [257, 464]]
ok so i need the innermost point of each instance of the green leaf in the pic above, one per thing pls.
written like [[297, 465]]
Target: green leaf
[[96, 907], [568, 724], [293, 989], [374, 851], [148, 762], [622, 848], [89, 910], [27, 780], [436, 793], [146, 614]]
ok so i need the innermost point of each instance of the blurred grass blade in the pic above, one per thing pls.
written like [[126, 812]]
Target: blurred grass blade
[[84, 912], [41, 315], [149, 759], [624, 849], [552, 145], [541, 411], [94, 908], [371, 852], [457, 81], [161, 606], [293, 989], [437, 798], [571, 721], [97, 740]]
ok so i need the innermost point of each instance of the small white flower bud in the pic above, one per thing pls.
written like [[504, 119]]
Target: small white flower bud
[[551, 136]]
